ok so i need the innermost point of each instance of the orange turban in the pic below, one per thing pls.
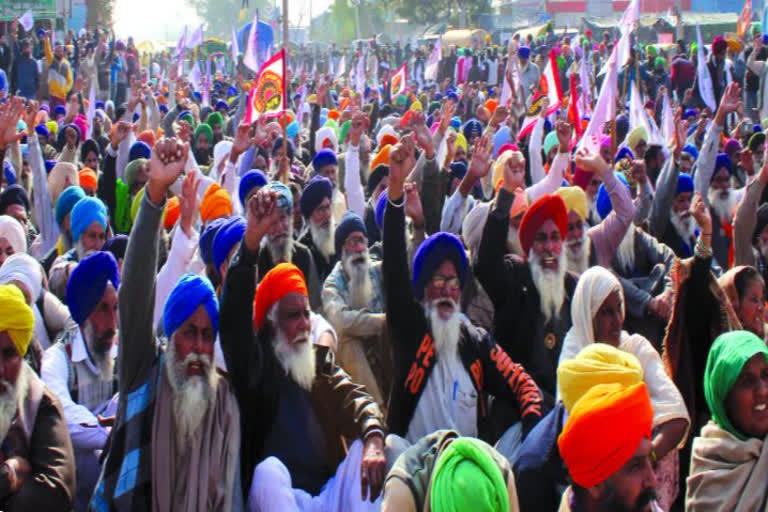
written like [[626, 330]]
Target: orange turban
[[172, 212], [87, 178], [382, 157], [283, 279], [519, 205], [491, 105], [147, 137], [603, 431], [216, 203], [334, 114], [387, 139], [344, 104]]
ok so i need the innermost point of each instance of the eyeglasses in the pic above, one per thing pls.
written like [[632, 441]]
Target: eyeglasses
[[449, 283]]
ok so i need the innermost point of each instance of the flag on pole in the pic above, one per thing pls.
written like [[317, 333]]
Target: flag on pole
[[342, 68], [251, 52], [745, 19], [91, 111], [267, 96], [704, 79], [550, 83], [573, 107], [667, 120], [375, 74], [182, 43], [206, 94], [360, 74], [605, 108], [195, 76], [433, 62], [398, 81], [27, 20], [196, 38], [235, 46], [630, 17], [586, 86]]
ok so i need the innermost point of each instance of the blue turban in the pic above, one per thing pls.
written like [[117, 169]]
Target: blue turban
[[472, 128], [691, 150], [350, 223], [455, 122], [524, 52], [316, 190], [722, 160], [381, 206], [451, 95], [117, 246], [189, 293], [9, 172], [59, 110], [42, 130], [85, 212], [87, 283], [231, 91], [15, 194], [438, 96], [251, 179], [458, 170], [138, 150], [49, 165], [163, 109], [230, 234], [207, 237], [622, 125], [100, 105], [324, 157], [603, 200], [432, 253], [292, 130], [284, 195], [684, 184], [278, 144], [689, 113], [222, 104], [623, 153], [198, 96], [503, 136], [67, 201]]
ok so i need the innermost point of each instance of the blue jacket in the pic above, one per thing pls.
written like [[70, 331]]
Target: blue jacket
[[27, 78]]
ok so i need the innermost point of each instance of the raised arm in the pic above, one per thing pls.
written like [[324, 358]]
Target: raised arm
[[554, 179], [745, 220], [607, 235]]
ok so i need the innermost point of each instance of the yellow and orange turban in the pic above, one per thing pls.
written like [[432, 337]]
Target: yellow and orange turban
[[147, 137], [172, 212], [16, 317], [216, 203], [382, 157], [603, 431], [283, 279], [387, 139], [87, 178]]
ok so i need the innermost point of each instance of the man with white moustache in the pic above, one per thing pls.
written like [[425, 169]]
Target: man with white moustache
[[79, 366], [177, 428], [671, 221], [315, 204], [354, 304], [297, 403], [445, 368]]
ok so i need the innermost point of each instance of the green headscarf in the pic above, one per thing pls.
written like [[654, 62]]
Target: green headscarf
[[727, 357], [214, 119], [206, 129], [344, 130], [467, 478]]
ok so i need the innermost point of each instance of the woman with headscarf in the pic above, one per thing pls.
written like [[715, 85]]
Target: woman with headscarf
[[745, 289], [729, 462], [597, 313]]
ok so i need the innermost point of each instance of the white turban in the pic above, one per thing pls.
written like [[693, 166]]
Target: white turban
[[13, 231], [25, 269]]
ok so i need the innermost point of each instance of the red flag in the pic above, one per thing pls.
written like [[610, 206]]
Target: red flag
[[745, 19], [573, 108], [268, 93]]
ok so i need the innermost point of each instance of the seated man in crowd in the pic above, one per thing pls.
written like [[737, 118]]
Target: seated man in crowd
[[37, 471], [297, 403], [315, 206], [177, 429], [79, 367]]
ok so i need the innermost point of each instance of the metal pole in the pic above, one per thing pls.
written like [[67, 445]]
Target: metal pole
[[284, 175]]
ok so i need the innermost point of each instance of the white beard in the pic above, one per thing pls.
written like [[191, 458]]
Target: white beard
[[192, 396], [10, 399], [625, 255], [81, 252], [577, 256], [360, 285], [549, 283], [723, 207], [684, 226], [445, 333], [322, 237], [104, 361], [298, 358], [513, 242], [282, 253]]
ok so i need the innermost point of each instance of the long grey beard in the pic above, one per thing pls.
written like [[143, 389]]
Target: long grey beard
[[549, 283], [13, 395], [104, 361], [723, 207], [625, 255], [281, 253], [81, 252], [685, 227], [298, 358], [445, 333], [323, 238], [192, 396], [577, 260], [360, 285]]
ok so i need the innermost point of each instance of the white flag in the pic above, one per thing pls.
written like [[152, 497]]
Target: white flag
[[181, 44], [206, 94], [342, 66], [605, 108], [91, 111], [27, 20], [433, 63], [630, 17], [251, 53], [196, 38], [375, 71], [637, 109], [704, 79], [360, 74], [235, 46], [195, 76], [586, 87], [667, 121]]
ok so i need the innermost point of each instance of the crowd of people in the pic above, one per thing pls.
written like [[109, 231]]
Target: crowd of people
[[430, 299]]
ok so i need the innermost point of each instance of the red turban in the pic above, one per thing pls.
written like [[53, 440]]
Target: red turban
[[548, 206], [283, 279], [147, 137], [172, 212], [87, 178], [603, 431], [582, 178]]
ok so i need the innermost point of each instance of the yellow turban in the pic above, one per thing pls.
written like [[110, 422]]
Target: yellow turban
[[501, 161], [635, 136], [597, 363], [416, 106], [16, 317], [461, 141], [575, 199]]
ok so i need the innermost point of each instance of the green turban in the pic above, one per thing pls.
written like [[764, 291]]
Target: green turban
[[214, 119], [651, 50], [660, 62], [188, 117], [727, 357], [136, 203], [333, 125], [132, 169], [694, 48], [344, 130], [467, 478], [204, 129]]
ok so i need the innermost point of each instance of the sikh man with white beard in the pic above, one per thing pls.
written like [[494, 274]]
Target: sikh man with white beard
[[37, 466], [354, 304], [177, 429], [445, 368], [297, 403], [671, 221], [279, 246], [531, 295], [79, 366], [315, 204]]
